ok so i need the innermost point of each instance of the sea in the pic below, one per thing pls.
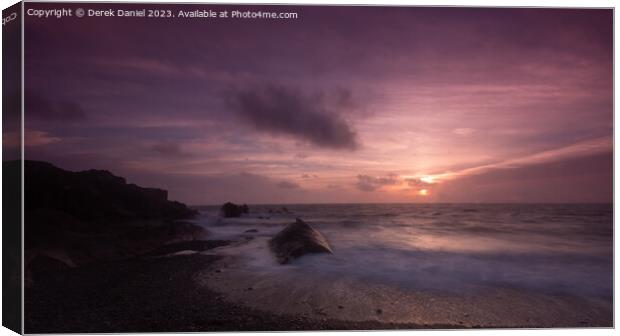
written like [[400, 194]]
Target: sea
[[437, 249]]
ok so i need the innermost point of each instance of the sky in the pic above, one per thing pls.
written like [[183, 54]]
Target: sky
[[342, 105]]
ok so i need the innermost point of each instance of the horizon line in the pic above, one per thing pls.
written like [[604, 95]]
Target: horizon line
[[410, 203]]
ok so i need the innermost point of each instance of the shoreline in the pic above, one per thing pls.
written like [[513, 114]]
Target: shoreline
[[157, 294], [295, 289], [161, 294]]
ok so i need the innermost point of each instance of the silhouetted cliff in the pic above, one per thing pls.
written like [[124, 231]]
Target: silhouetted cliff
[[94, 195], [77, 218]]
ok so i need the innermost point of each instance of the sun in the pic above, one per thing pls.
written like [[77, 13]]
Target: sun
[[423, 192]]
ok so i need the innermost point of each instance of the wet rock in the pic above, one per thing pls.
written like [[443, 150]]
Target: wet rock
[[251, 231], [194, 245], [229, 210], [296, 240]]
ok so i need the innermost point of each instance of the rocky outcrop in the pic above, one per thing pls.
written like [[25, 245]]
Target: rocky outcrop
[[95, 195], [296, 240], [229, 210], [95, 216]]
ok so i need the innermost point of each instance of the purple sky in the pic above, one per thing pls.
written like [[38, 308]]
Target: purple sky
[[344, 104]]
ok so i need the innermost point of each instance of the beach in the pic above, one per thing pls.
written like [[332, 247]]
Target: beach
[[233, 282], [158, 295]]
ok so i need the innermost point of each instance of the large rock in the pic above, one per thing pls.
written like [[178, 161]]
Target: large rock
[[297, 239], [233, 210]]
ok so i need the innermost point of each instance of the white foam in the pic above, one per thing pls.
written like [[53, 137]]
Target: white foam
[[412, 270]]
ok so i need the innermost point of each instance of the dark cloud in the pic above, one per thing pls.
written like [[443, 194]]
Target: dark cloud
[[169, 149], [288, 185], [311, 118], [39, 106], [371, 183]]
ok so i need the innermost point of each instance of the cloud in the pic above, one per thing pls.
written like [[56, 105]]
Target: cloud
[[32, 138], [581, 149], [169, 149], [288, 185], [41, 107], [584, 179], [311, 118], [463, 131], [417, 183], [371, 183]]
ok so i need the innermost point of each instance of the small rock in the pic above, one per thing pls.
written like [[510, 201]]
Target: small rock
[[218, 271], [379, 311], [340, 307]]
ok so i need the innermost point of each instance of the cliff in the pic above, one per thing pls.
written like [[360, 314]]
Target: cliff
[[94, 195], [76, 218]]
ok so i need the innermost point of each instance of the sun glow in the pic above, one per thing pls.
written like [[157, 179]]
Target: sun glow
[[423, 192], [427, 179]]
